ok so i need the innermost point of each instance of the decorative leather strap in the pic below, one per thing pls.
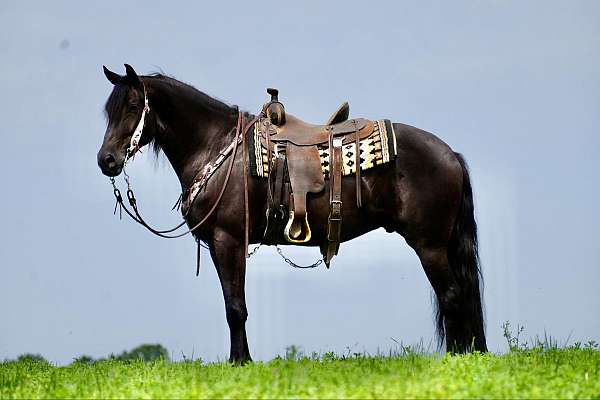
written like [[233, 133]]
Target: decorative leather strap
[[134, 143], [277, 207], [279, 185], [246, 206], [334, 222], [357, 173]]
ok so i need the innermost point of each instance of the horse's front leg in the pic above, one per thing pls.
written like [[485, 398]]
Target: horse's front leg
[[228, 256]]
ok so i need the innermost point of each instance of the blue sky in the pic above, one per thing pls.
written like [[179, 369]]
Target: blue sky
[[512, 85]]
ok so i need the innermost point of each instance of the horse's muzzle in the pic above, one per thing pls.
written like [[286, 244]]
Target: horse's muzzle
[[109, 164]]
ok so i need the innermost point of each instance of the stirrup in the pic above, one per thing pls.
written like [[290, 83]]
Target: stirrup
[[288, 226]]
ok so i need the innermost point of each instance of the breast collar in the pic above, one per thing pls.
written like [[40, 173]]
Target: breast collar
[[201, 179]]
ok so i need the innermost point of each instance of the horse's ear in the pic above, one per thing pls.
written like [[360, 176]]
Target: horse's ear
[[132, 76], [113, 78]]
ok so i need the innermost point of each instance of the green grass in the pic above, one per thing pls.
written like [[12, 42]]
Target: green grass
[[573, 372]]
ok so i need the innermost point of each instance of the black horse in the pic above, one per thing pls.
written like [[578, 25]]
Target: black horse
[[424, 195]]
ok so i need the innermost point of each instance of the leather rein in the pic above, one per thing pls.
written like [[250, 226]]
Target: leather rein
[[199, 182]]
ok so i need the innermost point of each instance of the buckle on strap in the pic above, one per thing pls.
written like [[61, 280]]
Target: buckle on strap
[[335, 210], [334, 221]]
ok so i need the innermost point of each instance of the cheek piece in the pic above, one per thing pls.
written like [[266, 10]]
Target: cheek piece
[[134, 145]]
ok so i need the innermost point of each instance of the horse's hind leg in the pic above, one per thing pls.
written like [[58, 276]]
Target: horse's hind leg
[[436, 266], [228, 255], [459, 318], [435, 213]]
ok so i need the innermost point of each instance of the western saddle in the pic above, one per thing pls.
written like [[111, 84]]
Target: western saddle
[[295, 170]]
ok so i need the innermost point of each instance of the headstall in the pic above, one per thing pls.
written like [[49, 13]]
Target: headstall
[[134, 144]]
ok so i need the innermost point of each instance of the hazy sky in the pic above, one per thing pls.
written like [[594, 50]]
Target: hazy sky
[[514, 86]]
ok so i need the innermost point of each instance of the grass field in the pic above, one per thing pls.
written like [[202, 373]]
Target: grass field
[[573, 372]]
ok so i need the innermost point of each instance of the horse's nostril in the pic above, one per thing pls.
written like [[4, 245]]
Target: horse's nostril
[[109, 159]]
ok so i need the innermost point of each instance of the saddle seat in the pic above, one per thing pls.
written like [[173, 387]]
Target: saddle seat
[[302, 133]]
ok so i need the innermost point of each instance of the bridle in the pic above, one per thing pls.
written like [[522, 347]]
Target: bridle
[[199, 182], [134, 144]]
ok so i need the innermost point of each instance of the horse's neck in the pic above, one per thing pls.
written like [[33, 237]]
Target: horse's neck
[[189, 132]]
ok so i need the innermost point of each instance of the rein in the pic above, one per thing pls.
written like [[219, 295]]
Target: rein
[[134, 147], [199, 182]]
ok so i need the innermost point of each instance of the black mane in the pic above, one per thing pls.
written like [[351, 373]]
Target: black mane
[[210, 102], [118, 98]]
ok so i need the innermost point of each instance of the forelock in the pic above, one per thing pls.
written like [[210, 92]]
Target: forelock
[[116, 101]]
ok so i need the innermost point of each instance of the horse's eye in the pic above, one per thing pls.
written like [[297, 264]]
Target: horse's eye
[[132, 108]]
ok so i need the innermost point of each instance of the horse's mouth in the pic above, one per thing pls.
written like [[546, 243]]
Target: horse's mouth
[[111, 170], [110, 163]]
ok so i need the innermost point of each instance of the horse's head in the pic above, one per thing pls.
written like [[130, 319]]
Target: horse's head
[[124, 109]]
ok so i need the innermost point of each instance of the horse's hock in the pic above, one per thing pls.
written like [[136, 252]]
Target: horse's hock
[[297, 157]]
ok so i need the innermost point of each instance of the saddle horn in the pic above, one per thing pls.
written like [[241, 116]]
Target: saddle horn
[[274, 109]]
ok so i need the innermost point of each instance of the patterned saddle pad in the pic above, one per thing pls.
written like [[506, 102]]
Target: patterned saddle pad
[[376, 149]]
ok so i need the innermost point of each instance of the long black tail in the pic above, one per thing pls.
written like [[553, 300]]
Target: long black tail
[[463, 258]]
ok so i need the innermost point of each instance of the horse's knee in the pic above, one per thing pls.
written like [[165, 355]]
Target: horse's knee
[[236, 312]]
